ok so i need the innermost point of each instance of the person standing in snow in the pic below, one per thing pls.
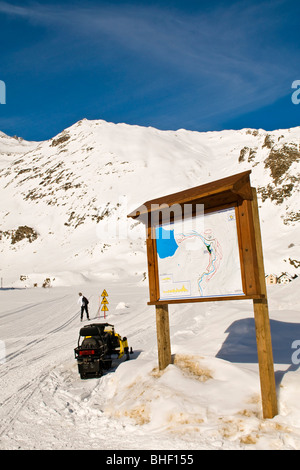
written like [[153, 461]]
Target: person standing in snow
[[83, 302]]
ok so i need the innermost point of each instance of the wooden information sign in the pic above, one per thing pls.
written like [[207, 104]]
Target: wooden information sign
[[204, 244]]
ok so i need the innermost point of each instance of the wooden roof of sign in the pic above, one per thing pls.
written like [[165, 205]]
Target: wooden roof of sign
[[227, 190]]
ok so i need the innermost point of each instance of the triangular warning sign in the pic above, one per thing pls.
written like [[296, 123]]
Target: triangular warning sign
[[104, 301], [104, 308], [104, 293]]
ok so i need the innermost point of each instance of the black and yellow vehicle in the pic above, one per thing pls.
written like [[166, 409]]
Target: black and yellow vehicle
[[99, 346]]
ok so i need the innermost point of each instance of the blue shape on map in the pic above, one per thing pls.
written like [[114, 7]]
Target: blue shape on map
[[165, 242]]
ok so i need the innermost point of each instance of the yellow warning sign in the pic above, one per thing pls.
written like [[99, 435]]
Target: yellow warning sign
[[103, 306]]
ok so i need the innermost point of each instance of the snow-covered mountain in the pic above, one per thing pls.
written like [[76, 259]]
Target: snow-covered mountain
[[11, 147], [65, 201], [64, 209]]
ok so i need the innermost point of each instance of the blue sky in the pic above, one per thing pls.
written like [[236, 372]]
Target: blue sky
[[198, 65]]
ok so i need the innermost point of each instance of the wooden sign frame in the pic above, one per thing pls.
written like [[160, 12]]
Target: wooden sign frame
[[234, 191]]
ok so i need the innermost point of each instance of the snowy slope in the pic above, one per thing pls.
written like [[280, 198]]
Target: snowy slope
[[73, 192], [10, 147]]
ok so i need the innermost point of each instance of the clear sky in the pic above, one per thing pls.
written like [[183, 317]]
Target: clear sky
[[198, 65]]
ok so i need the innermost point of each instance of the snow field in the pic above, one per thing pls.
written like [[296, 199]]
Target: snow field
[[201, 401]]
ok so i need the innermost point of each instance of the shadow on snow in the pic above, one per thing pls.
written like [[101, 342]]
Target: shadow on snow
[[240, 344]]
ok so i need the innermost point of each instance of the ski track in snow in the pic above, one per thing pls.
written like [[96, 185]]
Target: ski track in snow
[[45, 405]]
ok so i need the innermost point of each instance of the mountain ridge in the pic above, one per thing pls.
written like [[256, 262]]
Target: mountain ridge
[[75, 190]]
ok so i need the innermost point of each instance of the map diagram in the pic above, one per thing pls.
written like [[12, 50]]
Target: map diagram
[[199, 257]]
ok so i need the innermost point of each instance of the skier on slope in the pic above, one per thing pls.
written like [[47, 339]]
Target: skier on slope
[[83, 302]]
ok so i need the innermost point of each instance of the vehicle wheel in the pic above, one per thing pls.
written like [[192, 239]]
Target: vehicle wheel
[[107, 365]]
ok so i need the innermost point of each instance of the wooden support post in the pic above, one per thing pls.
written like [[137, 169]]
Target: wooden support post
[[265, 358], [163, 336], [263, 331]]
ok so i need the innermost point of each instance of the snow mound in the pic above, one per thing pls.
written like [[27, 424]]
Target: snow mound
[[200, 396], [187, 397], [122, 306]]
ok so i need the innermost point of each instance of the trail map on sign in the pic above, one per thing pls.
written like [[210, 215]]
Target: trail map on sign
[[199, 257]]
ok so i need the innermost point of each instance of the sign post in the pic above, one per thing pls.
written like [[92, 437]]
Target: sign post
[[262, 328], [104, 304], [204, 244], [163, 336]]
